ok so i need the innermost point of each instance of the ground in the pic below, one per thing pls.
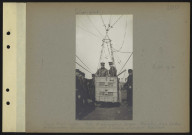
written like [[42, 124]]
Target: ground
[[110, 111]]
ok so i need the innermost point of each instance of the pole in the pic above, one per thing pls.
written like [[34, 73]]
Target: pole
[[121, 72]]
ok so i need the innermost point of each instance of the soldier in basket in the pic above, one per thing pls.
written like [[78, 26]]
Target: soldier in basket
[[112, 70], [102, 72]]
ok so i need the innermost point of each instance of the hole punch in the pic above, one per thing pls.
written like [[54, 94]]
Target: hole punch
[[8, 46], [7, 89], [8, 33], [8, 103]]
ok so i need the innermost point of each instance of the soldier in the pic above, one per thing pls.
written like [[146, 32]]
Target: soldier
[[112, 70], [102, 72], [93, 88], [129, 85], [78, 94], [84, 89]]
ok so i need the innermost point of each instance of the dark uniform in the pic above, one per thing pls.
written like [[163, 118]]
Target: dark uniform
[[79, 100], [112, 70], [129, 86], [102, 72], [92, 85], [84, 90]]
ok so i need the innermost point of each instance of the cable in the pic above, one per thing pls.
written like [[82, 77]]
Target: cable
[[110, 20], [115, 50], [94, 25], [124, 36], [100, 55], [124, 75], [122, 52], [126, 62], [119, 61], [82, 62], [116, 21], [111, 26], [83, 67], [88, 31], [103, 21], [108, 49]]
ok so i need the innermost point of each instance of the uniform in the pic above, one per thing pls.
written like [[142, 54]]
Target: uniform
[[102, 72], [113, 71], [129, 85], [79, 100], [93, 89]]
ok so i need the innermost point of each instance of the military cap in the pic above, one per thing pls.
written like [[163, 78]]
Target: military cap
[[77, 70], [130, 71], [80, 72], [110, 63], [102, 63]]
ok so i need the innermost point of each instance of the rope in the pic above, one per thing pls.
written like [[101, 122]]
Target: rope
[[88, 31], [83, 62], [118, 59], [100, 55], [103, 21], [83, 67], [124, 75], [110, 20], [122, 52], [108, 49], [124, 36], [115, 50], [116, 21], [126, 62], [94, 25]]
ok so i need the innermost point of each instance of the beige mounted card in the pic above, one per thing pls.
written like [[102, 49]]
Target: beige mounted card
[[57, 49], [14, 45]]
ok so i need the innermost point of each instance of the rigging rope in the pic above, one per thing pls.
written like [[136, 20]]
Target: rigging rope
[[124, 75], [116, 21], [105, 54], [118, 59], [115, 50], [83, 67], [94, 25], [110, 21], [108, 49], [83, 62], [100, 55], [126, 62], [124, 36], [88, 31], [103, 21]]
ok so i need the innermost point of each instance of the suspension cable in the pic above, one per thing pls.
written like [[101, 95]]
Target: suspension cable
[[110, 21], [88, 31], [116, 21], [103, 21], [83, 63], [124, 36], [83, 67], [115, 50], [126, 62], [94, 25]]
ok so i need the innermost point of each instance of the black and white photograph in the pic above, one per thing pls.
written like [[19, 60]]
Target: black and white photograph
[[104, 67], [96, 67]]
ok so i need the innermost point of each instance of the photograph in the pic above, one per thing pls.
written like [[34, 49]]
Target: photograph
[[104, 67]]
